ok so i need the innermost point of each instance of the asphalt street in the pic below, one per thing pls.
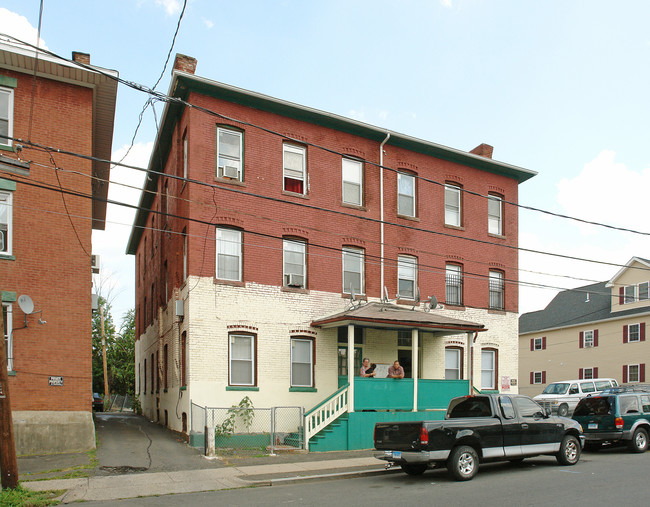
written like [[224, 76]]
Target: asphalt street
[[609, 477]]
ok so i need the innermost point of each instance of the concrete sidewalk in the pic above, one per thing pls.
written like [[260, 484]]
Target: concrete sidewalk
[[189, 481]]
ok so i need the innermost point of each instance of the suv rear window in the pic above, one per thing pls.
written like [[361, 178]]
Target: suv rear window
[[594, 406], [474, 406], [602, 385]]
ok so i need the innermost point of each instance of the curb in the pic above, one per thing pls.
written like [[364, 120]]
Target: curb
[[312, 478]]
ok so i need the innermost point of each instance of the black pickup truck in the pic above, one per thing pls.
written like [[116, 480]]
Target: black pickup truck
[[487, 427]]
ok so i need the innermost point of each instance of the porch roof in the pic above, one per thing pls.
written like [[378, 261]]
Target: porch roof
[[391, 316]]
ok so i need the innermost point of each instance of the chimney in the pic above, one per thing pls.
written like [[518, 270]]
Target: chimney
[[484, 150], [81, 57], [184, 63]]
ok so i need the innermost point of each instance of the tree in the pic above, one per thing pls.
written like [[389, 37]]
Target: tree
[[120, 352]]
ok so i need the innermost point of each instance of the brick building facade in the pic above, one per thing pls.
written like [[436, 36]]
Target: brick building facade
[[261, 216], [46, 240]]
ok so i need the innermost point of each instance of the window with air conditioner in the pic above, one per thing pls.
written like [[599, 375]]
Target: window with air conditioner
[[6, 225], [6, 116], [295, 265], [229, 154]]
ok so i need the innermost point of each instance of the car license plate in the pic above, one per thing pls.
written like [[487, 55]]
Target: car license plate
[[397, 454], [592, 426]]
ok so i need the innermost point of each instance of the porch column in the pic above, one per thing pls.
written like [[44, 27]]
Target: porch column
[[470, 362], [415, 363], [351, 367]]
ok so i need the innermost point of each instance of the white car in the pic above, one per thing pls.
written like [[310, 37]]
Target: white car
[[562, 397]]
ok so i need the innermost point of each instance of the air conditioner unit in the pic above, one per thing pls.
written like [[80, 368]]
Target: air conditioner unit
[[231, 171], [294, 280], [94, 263]]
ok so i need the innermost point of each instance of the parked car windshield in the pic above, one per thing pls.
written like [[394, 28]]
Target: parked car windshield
[[559, 388], [595, 406]]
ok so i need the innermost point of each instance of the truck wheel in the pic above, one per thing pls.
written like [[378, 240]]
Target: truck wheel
[[418, 469], [463, 463], [639, 442], [563, 410], [569, 451]]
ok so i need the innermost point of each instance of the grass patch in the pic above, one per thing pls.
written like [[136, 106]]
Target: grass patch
[[21, 497]]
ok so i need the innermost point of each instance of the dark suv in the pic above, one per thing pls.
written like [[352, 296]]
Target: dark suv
[[616, 417]]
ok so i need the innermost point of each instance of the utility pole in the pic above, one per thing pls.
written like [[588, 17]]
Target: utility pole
[[8, 463], [101, 321]]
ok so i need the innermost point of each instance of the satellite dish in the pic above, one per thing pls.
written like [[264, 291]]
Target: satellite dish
[[26, 304], [433, 303]]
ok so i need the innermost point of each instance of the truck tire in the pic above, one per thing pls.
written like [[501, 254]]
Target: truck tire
[[569, 451], [417, 469], [639, 442], [463, 463], [563, 410]]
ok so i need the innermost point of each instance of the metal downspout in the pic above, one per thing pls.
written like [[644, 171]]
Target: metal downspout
[[381, 207]]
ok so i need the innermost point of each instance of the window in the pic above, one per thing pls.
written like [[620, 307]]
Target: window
[[538, 343], [343, 360], [184, 255], [495, 214], [404, 338], [507, 409], [6, 319], [352, 182], [406, 276], [6, 228], [629, 405], [527, 407], [295, 267], [629, 294], [633, 333], [302, 362], [184, 156], [588, 339], [229, 154], [229, 255], [454, 284], [405, 194], [643, 291], [353, 271], [165, 366], [488, 368], [242, 360], [342, 335], [496, 290], [6, 116], [632, 373], [538, 377], [452, 205], [453, 363], [294, 168]]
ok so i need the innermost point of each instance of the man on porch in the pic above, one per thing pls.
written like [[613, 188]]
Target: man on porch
[[395, 371]]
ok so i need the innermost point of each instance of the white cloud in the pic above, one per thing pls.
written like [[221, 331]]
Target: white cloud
[[208, 23], [357, 115], [18, 26], [446, 3], [171, 6]]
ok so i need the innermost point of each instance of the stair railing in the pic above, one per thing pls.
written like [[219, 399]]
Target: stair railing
[[323, 414]]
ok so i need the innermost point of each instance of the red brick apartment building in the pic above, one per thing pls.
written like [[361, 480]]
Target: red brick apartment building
[[261, 219], [45, 251]]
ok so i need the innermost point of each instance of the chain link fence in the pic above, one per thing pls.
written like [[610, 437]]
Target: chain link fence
[[119, 403], [246, 431]]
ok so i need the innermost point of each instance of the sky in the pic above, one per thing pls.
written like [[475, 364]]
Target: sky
[[557, 87]]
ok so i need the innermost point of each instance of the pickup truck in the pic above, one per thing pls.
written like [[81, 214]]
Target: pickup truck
[[482, 428]]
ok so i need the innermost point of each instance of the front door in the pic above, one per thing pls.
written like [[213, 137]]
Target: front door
[[405, 358]]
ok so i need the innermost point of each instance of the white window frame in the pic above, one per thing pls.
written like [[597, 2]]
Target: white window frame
[[294, 246], [311, 362], [9, 93], [231, 339], [454, 281], [352, 176], [237, 161], [629, 373], [491, 370], [453, 210], [405, 176], [221, 240], [6, 200], [587, 373], [495, 216], [629, 294], [538, 344], [496, 286], [407, 269], [638, 333], [588, 339], [537, 377], [646, 291], [8, 337], [359, 254], [459, 357], [299, 150]]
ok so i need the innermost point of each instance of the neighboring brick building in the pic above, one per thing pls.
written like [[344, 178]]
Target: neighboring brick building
[[597, 330], [271, 234], [46, 240]]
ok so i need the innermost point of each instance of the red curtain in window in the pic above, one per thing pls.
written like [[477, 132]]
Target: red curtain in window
[[291, 185]]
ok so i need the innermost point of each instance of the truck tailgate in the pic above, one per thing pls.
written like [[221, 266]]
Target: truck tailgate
[[398, 436]]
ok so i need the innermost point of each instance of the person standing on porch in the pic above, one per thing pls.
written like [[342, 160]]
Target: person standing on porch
[[395, 371], [365, 367]]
